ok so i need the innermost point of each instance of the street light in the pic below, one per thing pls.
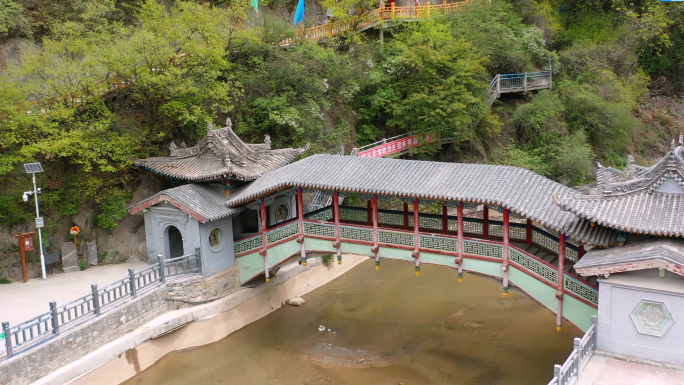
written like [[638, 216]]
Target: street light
[[33, 169]]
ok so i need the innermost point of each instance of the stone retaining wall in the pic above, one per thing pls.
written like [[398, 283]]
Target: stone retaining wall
[[198, 290], [94, 333], [75, 343]]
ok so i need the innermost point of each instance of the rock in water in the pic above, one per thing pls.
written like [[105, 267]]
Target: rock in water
[[296, 301], [91, 252], [321, 328]]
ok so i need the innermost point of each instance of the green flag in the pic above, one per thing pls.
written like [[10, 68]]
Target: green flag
[[255, 4]]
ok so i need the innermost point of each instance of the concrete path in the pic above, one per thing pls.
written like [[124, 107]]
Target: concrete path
[[602, 370], [22, 301]]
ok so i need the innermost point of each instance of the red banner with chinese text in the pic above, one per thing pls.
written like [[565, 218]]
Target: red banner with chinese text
[[395, 146]]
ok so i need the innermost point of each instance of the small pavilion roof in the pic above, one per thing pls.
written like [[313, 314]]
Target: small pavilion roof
[[203, 203], [662, 253], [517, 189], [221, 154], [642, 200]]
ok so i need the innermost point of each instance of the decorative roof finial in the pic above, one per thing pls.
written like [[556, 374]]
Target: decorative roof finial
[[229, 123], [183, 145], [173, 146], [681, 139], [672, 146], [267, 139], [210, 127]]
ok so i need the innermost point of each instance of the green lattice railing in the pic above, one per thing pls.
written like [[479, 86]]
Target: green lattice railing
[[248, 244], [581, 289]]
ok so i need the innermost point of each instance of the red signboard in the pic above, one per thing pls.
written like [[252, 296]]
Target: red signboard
[[395, 146]]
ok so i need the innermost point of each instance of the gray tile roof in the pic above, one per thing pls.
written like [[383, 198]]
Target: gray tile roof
[[202, 202], [668, 250], [221, 154], [520, 190], [641, 200]]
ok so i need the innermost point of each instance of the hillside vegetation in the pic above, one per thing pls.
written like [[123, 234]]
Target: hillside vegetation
[[350, 90]]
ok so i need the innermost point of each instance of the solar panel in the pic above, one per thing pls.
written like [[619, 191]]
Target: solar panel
[[33, 168]]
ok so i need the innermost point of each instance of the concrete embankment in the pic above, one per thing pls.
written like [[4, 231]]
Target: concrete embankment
[[192, 327]]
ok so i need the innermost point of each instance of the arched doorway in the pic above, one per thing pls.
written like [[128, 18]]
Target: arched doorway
[[173, 246]]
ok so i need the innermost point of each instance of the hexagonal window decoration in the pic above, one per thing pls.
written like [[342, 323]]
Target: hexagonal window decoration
[[652, 318]]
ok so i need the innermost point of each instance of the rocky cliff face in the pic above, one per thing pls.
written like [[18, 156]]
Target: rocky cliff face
[[126, 242], [12, 50]]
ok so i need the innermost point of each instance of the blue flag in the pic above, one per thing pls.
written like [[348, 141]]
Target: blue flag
[[299, 14]]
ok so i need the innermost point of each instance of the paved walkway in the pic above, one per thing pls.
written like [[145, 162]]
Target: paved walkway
[[22, 301], [608, 371]]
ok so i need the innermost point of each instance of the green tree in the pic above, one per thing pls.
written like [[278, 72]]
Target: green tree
[[431, 80]]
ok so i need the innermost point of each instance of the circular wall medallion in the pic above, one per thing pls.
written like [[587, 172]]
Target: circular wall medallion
[[215, 238], [282, 213]]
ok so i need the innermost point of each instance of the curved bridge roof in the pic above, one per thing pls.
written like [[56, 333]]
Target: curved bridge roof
[[644, 200], [517, 189]]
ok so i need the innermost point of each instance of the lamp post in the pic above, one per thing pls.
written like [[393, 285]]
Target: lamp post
[[33, 169]]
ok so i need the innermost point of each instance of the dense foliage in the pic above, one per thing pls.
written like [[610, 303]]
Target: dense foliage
[[192, 63]]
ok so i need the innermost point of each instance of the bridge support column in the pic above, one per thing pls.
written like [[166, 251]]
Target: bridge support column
[[370, 212], [376, 238], [300, 215], [528, 233], [336, 216], [504, 266], [561, 280], [459, 259], [416, 234], [264, 239], [485, 221]]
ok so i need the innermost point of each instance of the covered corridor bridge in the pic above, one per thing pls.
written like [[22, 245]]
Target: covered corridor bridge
[[533, 246]]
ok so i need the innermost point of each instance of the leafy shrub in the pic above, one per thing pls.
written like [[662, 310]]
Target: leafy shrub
[[327, 259], [82, 264]]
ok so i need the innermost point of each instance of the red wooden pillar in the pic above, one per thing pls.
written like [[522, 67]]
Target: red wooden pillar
[[376, 239], [459, 259], [264, 240], [336, 216], [370, 212], [406, 221], [528, 235], [485, 221], [504, 267], [445, 219], [416, 235], [300, 216], [561, 280], [580, 252]]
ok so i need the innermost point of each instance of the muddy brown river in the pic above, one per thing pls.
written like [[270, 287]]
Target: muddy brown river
[[387, 327]]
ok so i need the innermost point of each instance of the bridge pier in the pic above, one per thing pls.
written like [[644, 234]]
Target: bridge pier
[[336, 217], [376, 240], [561, 279], [416, 234], [264, 243], [504, 266], [459, 259], [300, 215]]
